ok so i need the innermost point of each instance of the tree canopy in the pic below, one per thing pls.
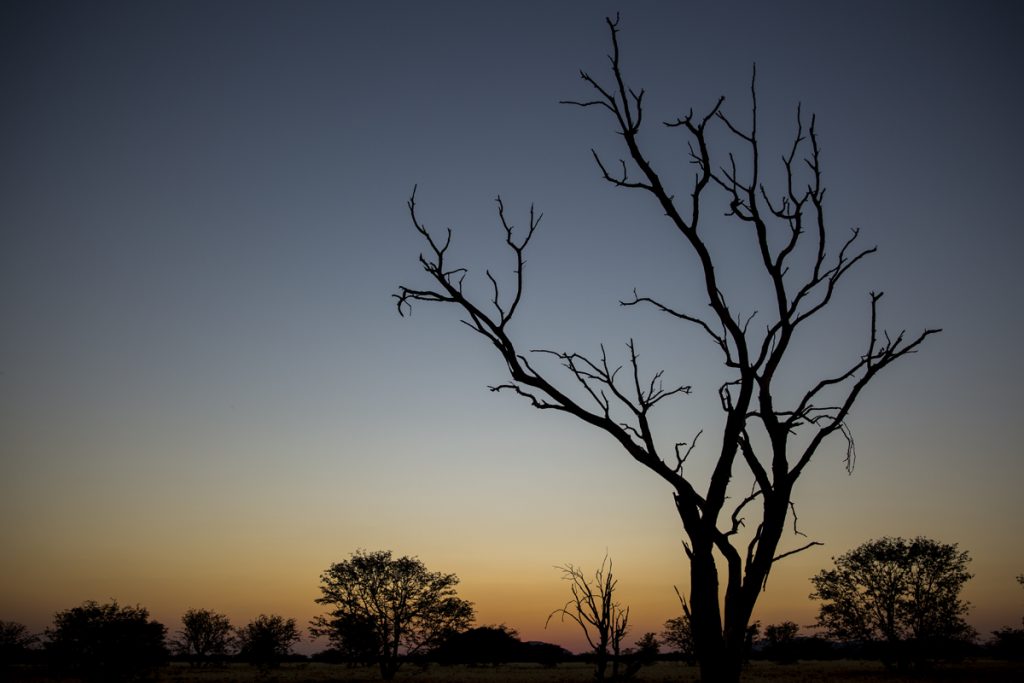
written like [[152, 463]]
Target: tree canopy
[[267, 639], [106, 642], [392, 606], [899, 593], [204, 635]]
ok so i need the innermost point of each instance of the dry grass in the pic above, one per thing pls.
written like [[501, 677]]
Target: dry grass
[[980, 671]]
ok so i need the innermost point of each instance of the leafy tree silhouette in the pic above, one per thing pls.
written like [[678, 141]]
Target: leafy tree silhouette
[[266, 640], [901, 595], [390, 606], [16, 643], [204, 637], [106, 642]]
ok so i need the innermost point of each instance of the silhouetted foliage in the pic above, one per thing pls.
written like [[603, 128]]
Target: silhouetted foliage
[[751, 640], [353, 637], [800, 266], [902, 596], [106, 642], [205, 637], [644, 652], [1008, 642], [780, 642], [482, 645], [267, 640], [388, 606], [546, 654], [647, 648], [16, 643], [592, 606], [676, 633]]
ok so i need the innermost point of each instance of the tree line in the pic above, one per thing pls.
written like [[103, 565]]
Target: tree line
[[892, 599]]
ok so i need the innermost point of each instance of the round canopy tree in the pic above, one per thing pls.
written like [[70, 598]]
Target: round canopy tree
[[399, 606], [107, 642], [903, 595], [205, 636], [266, 640]]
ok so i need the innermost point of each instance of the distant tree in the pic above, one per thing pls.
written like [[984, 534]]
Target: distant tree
[[545, 654], [644, 653], [592, 606], [647, 647], [16, 643], [902, 595], [780, 642], [204, 636], [771, 429], [106, 642], [1008, 642], [481, 645], [676, 633], [751, 639], [393, 606], [266, 640]]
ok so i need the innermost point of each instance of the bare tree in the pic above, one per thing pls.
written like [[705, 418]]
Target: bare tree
[[764, 438], [604, 622]]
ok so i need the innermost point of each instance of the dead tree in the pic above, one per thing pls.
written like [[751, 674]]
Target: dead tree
[[767, 440], [604, 622]]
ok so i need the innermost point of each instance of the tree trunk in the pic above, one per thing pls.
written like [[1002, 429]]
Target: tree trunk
[[714, 655], [600, 666]]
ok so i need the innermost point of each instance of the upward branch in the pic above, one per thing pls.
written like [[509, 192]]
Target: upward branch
[[801, 265], [610, 398]]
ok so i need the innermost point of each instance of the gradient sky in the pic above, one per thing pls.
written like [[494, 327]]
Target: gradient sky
[[207, 397]]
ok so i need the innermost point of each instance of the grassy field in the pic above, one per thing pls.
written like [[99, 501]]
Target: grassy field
[[980, 671]]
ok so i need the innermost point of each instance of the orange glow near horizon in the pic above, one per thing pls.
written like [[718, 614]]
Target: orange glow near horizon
[[207, 395]]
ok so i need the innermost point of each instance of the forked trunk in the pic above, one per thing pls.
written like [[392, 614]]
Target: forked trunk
[[720, 647], [720, 653]]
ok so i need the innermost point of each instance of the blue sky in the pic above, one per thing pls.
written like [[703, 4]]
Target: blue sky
[[207, 396]]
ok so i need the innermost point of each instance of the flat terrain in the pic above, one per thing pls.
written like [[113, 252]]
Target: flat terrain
[[980, 671], [662, 672]]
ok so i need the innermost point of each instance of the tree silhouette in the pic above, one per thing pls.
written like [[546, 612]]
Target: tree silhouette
[[903, 595], [16, 643], [481, 645], [266, 640], [603, 621], [204, 635], [645, 652], [780, 642], [773, 440], [677, 634], [400, 608], [106, 642]]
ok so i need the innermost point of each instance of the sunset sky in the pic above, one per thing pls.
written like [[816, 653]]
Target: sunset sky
[[207, 395]]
